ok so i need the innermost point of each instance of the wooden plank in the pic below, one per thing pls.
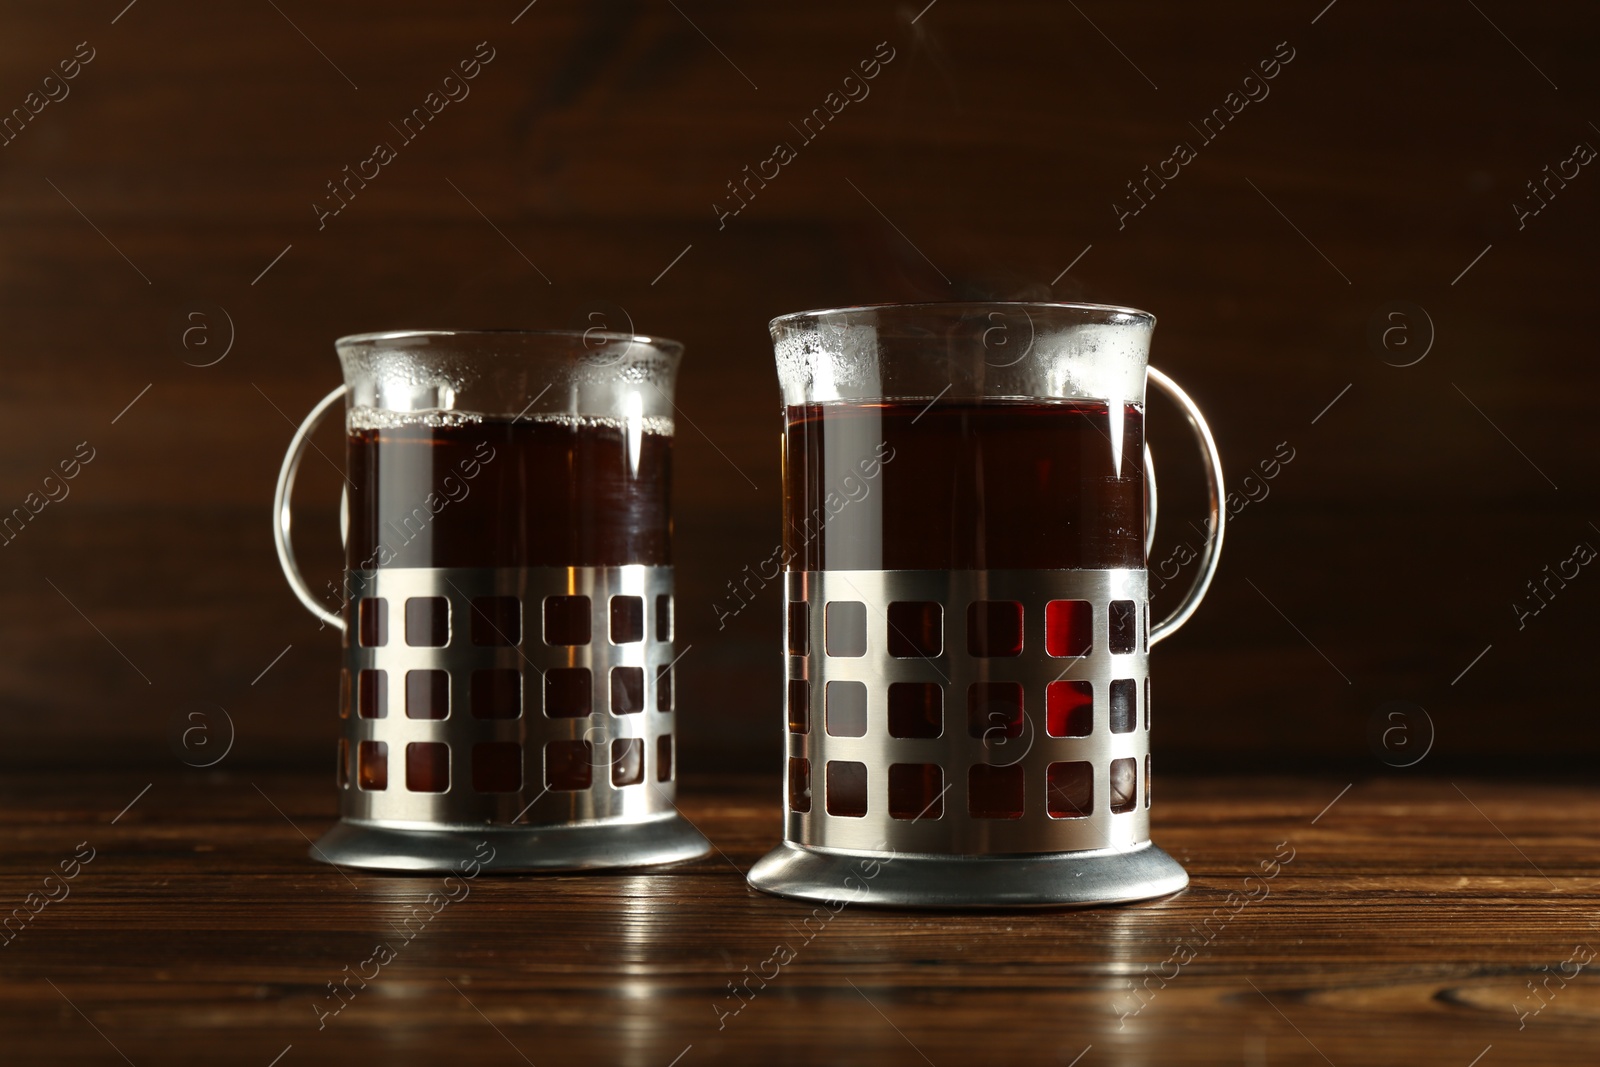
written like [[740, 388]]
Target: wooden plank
[[996, 140], [1408, 923]]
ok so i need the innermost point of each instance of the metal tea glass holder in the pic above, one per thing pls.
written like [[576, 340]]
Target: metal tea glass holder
[[937, 802], [552, 721]]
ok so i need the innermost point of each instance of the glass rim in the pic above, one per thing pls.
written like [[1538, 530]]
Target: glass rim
[[792, 318], [663, 344]]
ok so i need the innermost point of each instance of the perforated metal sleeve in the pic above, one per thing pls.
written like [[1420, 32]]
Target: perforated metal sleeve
[[508, 698], [968, 712]]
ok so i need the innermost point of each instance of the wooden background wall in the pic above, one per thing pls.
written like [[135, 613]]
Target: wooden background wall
[[177, 176]]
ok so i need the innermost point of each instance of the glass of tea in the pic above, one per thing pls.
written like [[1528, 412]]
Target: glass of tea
[[506, 603], [968, 505]]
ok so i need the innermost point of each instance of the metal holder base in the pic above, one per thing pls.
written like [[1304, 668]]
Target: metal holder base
[[878, 879], [571, 847]]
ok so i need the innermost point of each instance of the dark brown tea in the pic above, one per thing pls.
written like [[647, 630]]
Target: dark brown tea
[[563, 491], [963, 485]]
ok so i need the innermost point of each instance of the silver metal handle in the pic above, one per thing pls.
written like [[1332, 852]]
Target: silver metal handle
[[283, 513], [1150, 495], [1213, 471]]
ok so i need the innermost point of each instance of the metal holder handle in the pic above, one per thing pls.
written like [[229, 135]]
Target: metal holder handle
[[1213, 472], [283, 511]]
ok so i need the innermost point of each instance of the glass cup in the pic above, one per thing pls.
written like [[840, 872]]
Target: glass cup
[[968, 509], [507, 600]]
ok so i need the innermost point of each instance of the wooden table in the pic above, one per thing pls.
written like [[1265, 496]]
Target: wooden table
[[1409, 927]]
